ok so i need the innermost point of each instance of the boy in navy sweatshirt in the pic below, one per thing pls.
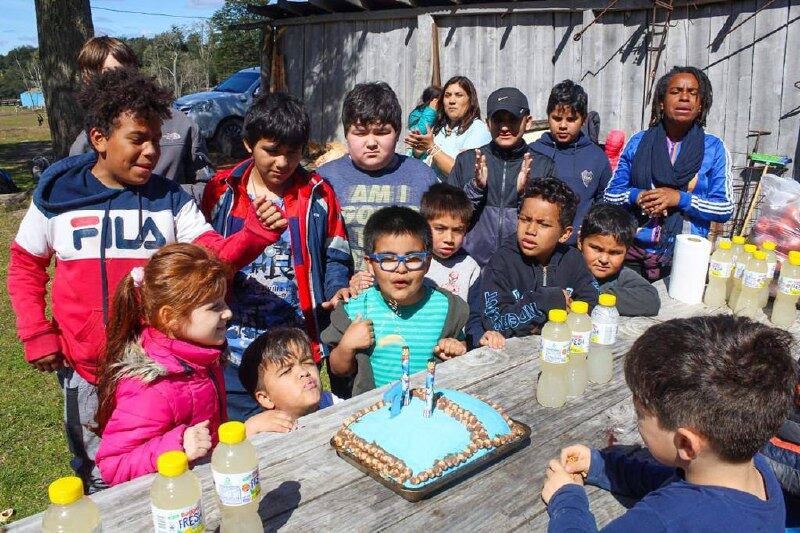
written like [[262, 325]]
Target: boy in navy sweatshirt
[[533, 272], [579, 162], [708, 392]]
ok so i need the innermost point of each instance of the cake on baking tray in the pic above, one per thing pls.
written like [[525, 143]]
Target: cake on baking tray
[[415, 450]]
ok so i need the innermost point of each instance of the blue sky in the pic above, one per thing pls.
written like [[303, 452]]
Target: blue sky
[[20, 15]]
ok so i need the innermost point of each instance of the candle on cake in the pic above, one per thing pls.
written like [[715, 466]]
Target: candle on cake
[[429, 380], [405, 359]]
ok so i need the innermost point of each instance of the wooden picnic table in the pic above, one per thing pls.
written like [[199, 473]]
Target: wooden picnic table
[[307, 486]]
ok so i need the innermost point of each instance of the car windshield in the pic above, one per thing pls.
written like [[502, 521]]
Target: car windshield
[[238, 83]]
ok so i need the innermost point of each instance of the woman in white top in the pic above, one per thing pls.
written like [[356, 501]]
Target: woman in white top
[[458, 127]]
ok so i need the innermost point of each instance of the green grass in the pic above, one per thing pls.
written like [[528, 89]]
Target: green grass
[[21, 139]]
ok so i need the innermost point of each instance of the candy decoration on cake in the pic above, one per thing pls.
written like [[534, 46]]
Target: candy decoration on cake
[[429, 379], [405, 360]]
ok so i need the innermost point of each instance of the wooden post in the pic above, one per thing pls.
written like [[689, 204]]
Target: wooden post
[[436, 74], [267, 46]]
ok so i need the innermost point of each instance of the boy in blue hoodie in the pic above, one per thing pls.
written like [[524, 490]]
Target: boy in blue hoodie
[[579, 162]]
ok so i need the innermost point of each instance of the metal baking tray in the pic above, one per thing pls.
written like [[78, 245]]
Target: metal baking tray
[[415, 495]]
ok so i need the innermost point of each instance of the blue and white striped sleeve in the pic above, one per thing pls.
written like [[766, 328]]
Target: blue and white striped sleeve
[[619, 190], [714, 202]]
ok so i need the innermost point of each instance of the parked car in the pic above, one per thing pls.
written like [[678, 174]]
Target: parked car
[[219, 113]]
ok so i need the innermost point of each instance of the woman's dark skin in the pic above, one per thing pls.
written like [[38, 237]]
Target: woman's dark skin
[[681, 106]]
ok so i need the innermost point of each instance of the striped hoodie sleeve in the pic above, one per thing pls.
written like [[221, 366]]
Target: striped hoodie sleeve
[[713, 202], [619, 190]]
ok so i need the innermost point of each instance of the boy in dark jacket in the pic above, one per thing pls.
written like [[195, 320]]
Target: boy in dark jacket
[[579, 162], [534, 273], [495, 175], [605, 236]]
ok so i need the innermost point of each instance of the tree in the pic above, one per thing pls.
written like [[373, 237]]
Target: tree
[[63, 26], [234, 49]]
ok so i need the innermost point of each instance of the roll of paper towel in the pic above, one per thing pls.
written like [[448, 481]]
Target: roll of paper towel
[[689, 266]]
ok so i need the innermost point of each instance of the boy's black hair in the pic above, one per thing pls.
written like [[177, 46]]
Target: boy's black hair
[[396, 220], [370, 103], [555, 191], [443, 199], [706, 94], [277, 347], [569, 94], [730, 378], [109, 94], [279, 117], [609, 219]]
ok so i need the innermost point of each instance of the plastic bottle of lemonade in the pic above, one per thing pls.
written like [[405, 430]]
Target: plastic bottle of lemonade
[[784, 309], [753, 281], [737, 248], [772, 263], [176, 496], [580, 326], [742, 260], [70, 511], [605, 322], [551, 390], [234, 465], [719, 271]]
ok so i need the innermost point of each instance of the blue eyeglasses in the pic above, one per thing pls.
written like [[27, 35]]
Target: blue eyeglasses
[[391, 262]]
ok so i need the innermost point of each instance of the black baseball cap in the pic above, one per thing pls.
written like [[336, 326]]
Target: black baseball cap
[[508, 99]]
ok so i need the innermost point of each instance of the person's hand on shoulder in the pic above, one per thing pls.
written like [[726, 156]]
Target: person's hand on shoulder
[[361, 281], [272, 421], [493, 339], [342, 295]]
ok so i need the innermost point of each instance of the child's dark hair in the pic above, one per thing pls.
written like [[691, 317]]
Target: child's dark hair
[[730, 378], [609, 219], [396, 220], [473, 111], [109, 94], [568, 94], [279, 117], [371, 103], [555, 191], [706, 94], [443, 199], [431, 92], [278, 346]]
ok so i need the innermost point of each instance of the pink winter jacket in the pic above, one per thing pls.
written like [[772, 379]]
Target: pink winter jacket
[[165, 386]]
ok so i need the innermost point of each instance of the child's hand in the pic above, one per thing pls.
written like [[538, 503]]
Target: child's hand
[[481, 170], [50, 363], [197, 440], [358, 336], [449, 348], [524, 172], [493, 339], [342, 295], [269, 214], [273, 421], [557, 477], [568, 299], [360, 281], [576, 459]]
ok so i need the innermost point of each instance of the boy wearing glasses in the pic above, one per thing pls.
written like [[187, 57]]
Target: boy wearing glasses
[[368, 332]]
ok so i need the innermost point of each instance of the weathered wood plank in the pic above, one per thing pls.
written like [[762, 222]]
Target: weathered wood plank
[[790, 97]]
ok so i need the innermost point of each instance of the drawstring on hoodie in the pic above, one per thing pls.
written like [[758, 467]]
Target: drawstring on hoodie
[[103, 273]]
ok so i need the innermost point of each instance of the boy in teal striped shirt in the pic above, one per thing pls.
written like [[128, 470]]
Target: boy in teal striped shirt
[[367, 333]]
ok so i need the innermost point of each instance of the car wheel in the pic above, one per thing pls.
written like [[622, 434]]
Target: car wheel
[[228, 138]]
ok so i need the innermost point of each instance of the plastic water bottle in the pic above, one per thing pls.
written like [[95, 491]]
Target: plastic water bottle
[[753, 281], [719, 271], [737, 249], [784, 309], [551, 390], [70, 511], [580, 326], [176, 496], [605, 323], [742, 260], [772, 263], [234, 465]]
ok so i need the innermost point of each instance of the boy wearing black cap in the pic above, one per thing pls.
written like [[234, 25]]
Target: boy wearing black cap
[[494, 175]]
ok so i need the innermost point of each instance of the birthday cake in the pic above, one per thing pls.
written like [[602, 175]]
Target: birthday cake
[[415, 450]]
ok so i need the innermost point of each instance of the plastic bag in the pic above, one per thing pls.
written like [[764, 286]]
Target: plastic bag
[[779, 220]]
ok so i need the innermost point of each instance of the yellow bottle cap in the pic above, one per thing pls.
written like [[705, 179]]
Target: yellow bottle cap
[[760, 255], [579, 307], [750, 248], [738, 239], [232, 432], [608, 300], [794, 258], [65, 490], [769, 246], [557, 315], [172, 464], [724, 244]]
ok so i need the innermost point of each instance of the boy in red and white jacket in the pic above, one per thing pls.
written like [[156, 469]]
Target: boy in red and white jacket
[[101, 214]]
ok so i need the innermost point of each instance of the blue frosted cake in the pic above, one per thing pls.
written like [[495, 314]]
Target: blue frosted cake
[[414, 450]]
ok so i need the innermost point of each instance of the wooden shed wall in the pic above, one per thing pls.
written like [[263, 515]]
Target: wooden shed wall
[[753, 69]]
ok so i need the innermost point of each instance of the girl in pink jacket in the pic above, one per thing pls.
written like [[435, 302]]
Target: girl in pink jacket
[[161, 385]]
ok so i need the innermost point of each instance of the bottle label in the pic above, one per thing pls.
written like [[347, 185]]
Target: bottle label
[[237, 489], [720, 269], [790, 286], [604, 333], [580, 341], [754, 280], [555, 351], [185, 520], [771, 270], [739, 270]]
